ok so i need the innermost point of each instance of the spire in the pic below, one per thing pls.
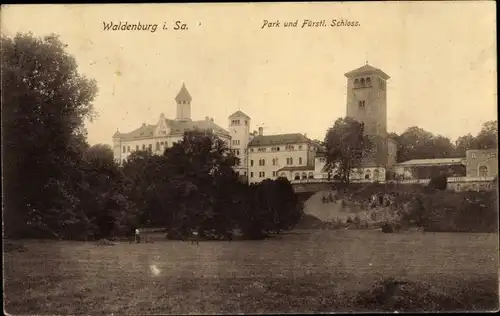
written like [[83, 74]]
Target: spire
[[183, 94]]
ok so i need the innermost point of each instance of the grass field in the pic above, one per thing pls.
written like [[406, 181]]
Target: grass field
[[304, 271]]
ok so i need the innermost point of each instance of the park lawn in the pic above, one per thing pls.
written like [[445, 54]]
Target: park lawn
[[304, 271]]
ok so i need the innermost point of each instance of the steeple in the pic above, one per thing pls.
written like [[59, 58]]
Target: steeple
[[183, 100], [183, 95]]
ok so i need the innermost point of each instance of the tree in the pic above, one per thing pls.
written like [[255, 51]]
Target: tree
[[463, 143], [346, 146], [487, 137], [45, 102], [417, 143], [100, 151]]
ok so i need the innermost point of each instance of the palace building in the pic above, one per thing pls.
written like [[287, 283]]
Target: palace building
[[296, 157]]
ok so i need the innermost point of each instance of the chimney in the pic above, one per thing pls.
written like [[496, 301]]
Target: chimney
[[261, 131], [212, 119], [143, 124], [206, 118]]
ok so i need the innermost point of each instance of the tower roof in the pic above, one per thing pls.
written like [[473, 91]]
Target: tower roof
[[239, 114], [365, 70], [116, 134], [183, 94]]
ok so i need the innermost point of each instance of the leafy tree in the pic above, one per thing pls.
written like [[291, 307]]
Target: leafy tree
[[487, 137], [463, 143], [417, 143], [346, 146], [45, 102], [101, 151]]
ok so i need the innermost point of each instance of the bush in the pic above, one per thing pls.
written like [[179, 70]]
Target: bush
[[438, 182]]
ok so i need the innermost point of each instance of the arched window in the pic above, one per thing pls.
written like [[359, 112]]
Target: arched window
[[304, 175], [356, 83], [376, 174], [311, 175], [297, 176], [368, 174], [368, 82], [283, 175], [362, 81], [483, 171], [458, 187]]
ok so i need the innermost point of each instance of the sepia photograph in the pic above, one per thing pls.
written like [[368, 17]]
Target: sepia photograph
[[249, 158]]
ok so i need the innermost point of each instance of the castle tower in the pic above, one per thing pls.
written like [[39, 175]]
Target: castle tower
[[183, 100], [117, 147], [239, 129], [367, 103]]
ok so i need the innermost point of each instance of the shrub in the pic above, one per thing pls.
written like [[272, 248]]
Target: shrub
[[438, 182]]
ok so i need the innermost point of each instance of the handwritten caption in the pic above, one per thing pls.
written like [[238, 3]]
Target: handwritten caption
[[147, 27], [309, 23]]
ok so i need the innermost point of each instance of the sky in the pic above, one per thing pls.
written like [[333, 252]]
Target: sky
[[441, 57]]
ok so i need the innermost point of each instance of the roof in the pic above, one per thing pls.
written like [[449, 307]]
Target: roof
[[239, 114], [176, 128], [366, 69], [183, 94], [298, 168], [432, 161], [281, 139]]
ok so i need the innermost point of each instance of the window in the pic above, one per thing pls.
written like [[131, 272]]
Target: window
[[362, 81], [297, 176], [310, 175], [368, 82], [251, 174], [236, 141], [137, 147], [473, 155], [275, 161], [300, 160], [458, 187], [262, 162], [300, 147], [283, 175], [361, 104], [368, 174], [275, 149], [236, 122], [289, 161], [251, 150], [275, 173], [262, 149], [262, 174], [356, 83], [150, 147], [304, 176], [143, 147], [483, 171], [124, 149], [128, 149], [289, 147], [251, 163], [157, 145]]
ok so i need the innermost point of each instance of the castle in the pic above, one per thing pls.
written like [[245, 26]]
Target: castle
[[293, 156]]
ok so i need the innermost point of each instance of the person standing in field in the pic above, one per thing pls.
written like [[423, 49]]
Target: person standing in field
[[137, 236]]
